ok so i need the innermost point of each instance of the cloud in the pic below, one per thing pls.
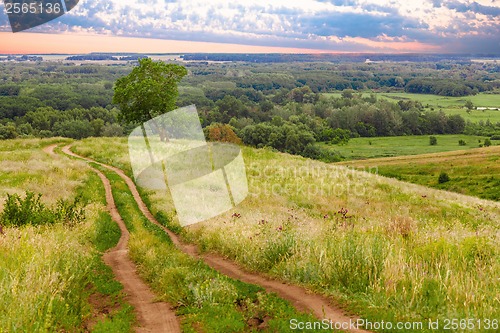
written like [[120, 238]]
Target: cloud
[[473, 7], [336, 25]]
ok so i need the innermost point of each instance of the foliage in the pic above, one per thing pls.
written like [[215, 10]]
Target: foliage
[[462, 143], [444, 87], [222, 133], [31, 211], [433, 141], [7, 132], [487, 142], [148, 91], [443, 178]]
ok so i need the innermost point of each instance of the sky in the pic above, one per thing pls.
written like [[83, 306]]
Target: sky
[[294, 26]]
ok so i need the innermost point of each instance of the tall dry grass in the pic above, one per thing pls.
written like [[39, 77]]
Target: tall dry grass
[[390, 250]]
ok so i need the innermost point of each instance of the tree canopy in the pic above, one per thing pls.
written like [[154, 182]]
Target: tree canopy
[[148, 91]]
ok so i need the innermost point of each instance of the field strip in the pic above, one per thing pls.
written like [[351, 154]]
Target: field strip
[[421, 158], [300, 298], [152, 316]]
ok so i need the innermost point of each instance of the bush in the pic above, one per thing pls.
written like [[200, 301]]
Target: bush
[[112, 130], [487, 142], [322, 154], [462, 143], [30, 210], [222, 133], [495, 137], [443, 178], [7, 132], [433, 140]]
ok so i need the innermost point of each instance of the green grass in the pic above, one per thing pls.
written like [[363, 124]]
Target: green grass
[[363, 148], [48, 274], [205, 299], [385, 249], [473, 172]]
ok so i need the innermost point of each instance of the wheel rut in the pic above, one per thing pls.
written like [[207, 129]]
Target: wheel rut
[[301, 298], [153, 316]]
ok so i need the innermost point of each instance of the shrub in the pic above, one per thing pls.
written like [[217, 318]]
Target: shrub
[[487, 142], [7, 132], [495, 137], [433, 140], [222, 133], [443, 177], [30, 210], [317, 153], [112, 130], [462, 143]]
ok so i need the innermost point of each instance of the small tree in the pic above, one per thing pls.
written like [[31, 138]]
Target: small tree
[[443, 178], [469, 105], [222, 133], [433, 140], [148, 91]]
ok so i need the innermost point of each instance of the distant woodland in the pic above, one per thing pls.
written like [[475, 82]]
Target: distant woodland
[[275, 103]]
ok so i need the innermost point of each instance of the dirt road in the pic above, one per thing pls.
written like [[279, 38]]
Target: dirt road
[[152, 316], [301, 298]]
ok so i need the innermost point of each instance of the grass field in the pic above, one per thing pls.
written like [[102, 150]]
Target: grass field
[[363, 148], [51, 275], [472, 172], [386, 249], [205, 300], [450, 105]]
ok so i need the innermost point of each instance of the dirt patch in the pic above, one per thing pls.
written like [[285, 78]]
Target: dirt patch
[[50, 150], [102, 306]]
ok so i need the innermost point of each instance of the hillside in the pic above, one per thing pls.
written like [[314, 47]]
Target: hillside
[[473, 172], [387, 249]]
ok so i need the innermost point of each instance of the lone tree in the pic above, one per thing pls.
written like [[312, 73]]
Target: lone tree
[[469, 105], [148, 91]]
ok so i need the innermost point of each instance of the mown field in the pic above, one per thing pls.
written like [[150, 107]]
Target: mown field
[[473, 172], [363, 148], [387, 250], [450, 105], [52, 278]]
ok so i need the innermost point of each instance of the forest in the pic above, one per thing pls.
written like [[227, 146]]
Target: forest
[[261, 104]]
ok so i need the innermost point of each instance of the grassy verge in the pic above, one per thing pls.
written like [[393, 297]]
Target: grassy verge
[[206, 300]]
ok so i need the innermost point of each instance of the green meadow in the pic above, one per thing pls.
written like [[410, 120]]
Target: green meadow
[[364, 148], [384, 249], [51, 274]]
